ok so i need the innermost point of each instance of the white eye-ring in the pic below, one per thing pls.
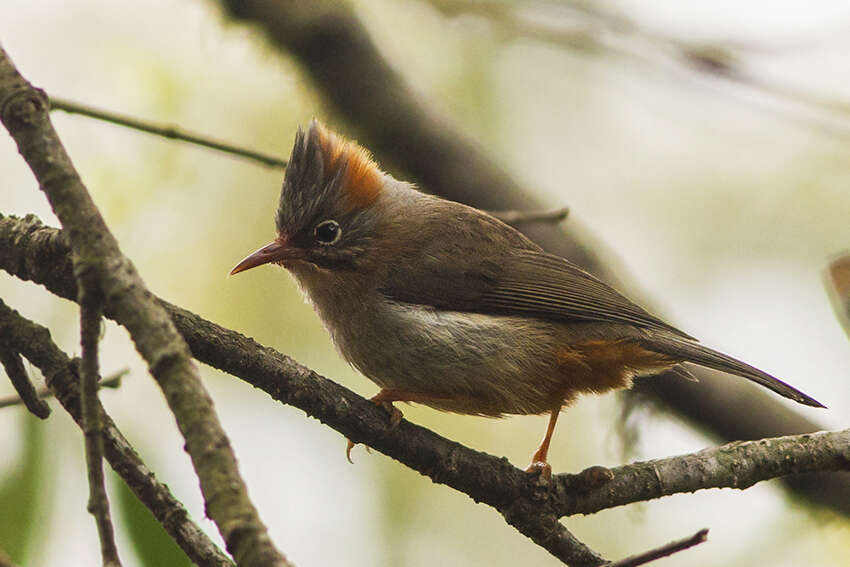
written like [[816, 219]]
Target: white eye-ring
[[327, 232]]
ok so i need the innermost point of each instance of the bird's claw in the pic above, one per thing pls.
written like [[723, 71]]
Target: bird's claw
[[395, 414], [542, 469], [395, 418]]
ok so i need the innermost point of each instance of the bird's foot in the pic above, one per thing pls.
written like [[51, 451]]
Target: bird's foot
[[350, 445], [395, 414], [395, 418], [542, 469]]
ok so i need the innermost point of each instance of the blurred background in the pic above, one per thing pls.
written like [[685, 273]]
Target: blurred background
[[718, 181]]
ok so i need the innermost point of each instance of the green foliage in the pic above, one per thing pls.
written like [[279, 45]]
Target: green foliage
[[21, 494], [153, 546]]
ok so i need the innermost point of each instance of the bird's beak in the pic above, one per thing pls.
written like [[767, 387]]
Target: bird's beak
[[277, 251]]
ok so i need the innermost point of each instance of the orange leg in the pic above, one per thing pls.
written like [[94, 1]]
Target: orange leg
[[539, 463], [385, 399]]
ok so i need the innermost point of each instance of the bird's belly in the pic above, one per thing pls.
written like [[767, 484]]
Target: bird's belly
[[461, 362]]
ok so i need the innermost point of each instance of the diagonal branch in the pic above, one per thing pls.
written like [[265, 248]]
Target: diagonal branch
[[483, 477], [33, 252], [62, 374], [24, 113]]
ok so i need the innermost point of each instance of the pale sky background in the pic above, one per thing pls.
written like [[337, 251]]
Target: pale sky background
[[721, 203]]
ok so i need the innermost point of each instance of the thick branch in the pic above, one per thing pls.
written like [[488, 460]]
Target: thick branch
[[33, 342], [338, 55], [24, 113], [31, 251], [736, 465]]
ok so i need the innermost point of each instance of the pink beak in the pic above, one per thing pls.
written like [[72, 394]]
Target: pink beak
[[274, 252]]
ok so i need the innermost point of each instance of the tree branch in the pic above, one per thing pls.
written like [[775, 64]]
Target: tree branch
[[24, 113], [14, 367], [336, 52], [171, 132], [599, 30], [113, 381], [33, 252], [33, 342], [90, 301], [663, 551], [736, 465]]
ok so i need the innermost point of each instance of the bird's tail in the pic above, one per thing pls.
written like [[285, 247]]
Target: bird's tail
[[696, 353]]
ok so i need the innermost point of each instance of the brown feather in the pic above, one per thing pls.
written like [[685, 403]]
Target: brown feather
[[602, 365], [362, 176]]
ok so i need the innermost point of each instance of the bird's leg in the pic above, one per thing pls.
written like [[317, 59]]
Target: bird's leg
[[539, 463], [385, 399]]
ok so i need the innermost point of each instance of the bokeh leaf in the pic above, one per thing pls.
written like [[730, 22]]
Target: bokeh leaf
[[21, 494], [153, 546]]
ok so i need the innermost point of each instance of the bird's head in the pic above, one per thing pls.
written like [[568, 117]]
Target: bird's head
[[327, 216]]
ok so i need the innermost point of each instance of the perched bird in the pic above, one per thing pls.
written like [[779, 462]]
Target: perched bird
[[442, 304]]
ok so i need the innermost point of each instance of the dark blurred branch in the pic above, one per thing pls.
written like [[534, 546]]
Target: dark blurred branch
[[590, 27], [14, 367], [113, 381], [663, 551], [336, 52], [62, 374], [30, 251], [96, 254], [172, 132]]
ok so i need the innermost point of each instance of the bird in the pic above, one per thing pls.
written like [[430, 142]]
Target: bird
[[441, 304]]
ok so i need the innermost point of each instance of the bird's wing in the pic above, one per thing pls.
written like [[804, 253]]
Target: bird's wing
[[520, 282]]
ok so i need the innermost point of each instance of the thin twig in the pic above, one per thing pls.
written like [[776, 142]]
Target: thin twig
[[595, 29], [171, 132], [62, 375], [27, 394], [90, 408], [24, 113], [519, 217], [113, 381], [663, 551]]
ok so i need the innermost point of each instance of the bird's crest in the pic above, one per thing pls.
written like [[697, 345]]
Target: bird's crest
[[361, 176], [326, 175]]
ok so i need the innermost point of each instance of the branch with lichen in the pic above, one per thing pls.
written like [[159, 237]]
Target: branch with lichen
[[24, 113], [31, 251]]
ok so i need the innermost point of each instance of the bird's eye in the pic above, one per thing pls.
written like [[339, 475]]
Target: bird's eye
[[327, 232]]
